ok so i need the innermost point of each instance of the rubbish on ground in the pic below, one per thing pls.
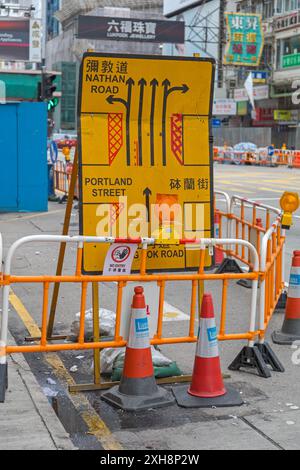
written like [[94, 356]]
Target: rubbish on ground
[[113, 359], [51, 381], [107, 320], [49, 393], [74, 369]]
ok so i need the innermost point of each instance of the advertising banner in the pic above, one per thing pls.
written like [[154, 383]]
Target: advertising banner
[[20, 40], [126, 29], [245, 39]]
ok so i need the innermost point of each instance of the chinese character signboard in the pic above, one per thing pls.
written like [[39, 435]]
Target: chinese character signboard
[[245, 39], [224, 107], [126, 29], [20, 40], [259, 92], [144, 142]]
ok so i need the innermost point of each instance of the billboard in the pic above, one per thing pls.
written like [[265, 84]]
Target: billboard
[[20, 40], [245, 39], [126, 29], [173, 7], [141, 119]]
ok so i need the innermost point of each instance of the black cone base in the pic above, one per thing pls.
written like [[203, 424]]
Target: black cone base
[[270, 357], [283, 339], [251, 358], [138, 397], [184, 400], [3, 381], [229, 266], [289, 334]]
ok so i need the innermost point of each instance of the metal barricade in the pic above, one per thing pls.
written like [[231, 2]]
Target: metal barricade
[[247, 227], [273, 274], [161, 280]]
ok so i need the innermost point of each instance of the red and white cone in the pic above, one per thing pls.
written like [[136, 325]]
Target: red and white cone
[[291, 327], [207, 377], [207, 389], [138, 389], [219, 255]]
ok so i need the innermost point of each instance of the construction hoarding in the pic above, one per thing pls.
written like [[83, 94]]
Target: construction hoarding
[[145, 140]]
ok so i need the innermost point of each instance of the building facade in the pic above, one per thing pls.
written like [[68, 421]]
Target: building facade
[[278, 106], [64, 51]]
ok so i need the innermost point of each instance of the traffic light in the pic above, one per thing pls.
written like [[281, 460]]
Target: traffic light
[[52, 104], [47, 87]]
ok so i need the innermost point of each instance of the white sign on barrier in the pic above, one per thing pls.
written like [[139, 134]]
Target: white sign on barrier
[[119, 260]]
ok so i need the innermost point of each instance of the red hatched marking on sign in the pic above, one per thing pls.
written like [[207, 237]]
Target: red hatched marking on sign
[[115, 135], [116, 210], [177, 137]]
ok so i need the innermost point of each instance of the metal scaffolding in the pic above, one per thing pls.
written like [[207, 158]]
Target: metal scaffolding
[[73, 7]]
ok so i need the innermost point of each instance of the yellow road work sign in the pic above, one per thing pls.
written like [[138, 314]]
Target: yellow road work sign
[[144, 149]]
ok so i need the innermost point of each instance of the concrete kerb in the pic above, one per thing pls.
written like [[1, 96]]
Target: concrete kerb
[[42, 412]]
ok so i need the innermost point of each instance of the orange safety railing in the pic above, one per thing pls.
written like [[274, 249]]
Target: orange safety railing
[[272, 267], [268, 237], [62, 178], [249, 221], [162, 280]]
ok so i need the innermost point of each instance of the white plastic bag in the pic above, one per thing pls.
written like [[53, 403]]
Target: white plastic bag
[[107, 320]]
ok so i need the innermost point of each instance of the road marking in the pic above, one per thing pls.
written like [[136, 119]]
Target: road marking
[[174, 314], [28, 217], [235, 189], [269, 190], [95, 424]]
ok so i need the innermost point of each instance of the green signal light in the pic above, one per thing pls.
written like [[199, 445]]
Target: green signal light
[[52, 104]]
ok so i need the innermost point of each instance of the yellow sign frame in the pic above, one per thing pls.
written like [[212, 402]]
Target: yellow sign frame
[[176, 92]]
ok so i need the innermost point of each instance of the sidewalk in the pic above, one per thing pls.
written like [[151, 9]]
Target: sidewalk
[[27, 419]]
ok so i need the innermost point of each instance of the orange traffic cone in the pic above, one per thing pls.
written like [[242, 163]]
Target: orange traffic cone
[[291, 327], [138, 389], [219, 255], [207, 389]]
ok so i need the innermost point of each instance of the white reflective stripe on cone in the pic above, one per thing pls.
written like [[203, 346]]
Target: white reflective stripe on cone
[[207, 347], [139, 330], [294, 289]]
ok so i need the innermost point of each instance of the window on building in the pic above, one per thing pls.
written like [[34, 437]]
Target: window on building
[[279, 9], [288, 52], [268, 9]]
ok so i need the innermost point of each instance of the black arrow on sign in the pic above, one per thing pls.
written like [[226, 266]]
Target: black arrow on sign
[[147, 192], [154, 84], [112, 100], [142, 84], [167, 92]]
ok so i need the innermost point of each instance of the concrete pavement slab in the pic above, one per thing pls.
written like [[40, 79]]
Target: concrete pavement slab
[[283, 427], [27, 420], [232, 434]]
